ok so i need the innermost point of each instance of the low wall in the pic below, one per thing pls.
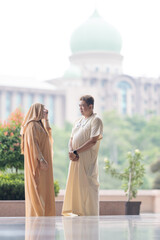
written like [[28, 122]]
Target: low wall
[[17, 208], [150, 198], [112, 202]]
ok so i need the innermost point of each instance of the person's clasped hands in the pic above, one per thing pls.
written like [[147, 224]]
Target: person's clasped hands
[[73, 156]]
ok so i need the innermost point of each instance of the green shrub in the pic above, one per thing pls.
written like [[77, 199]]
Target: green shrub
[[10, 140], [156, 184], [12, 187], [56, 187], [155, 168], [132, 176]]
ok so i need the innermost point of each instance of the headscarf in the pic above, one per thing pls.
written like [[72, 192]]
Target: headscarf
[[35, 113]]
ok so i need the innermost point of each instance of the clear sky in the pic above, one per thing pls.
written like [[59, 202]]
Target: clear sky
[[35, 35]]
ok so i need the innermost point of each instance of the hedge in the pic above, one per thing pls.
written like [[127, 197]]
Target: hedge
[[12, 187]]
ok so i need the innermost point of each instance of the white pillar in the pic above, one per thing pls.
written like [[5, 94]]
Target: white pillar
[[49, 102], [59, 111], [25, 107], [46, 101], [14, 101], [3, 106], [36, 98]]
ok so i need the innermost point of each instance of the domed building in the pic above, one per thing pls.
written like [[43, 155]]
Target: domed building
[[96, 46], [96, 34], [96, 69]]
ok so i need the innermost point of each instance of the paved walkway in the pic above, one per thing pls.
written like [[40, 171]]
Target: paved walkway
[[146, 226]]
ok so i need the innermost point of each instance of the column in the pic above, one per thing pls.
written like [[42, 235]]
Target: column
[[25, 106], [36, 98], [14, 101], [3, 106], [59, 111]]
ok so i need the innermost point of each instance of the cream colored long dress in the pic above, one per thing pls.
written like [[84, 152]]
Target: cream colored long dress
[[81, 197]]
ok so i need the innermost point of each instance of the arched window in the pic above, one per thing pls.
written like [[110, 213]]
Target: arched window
[[30, 100], [19, 99], [41, 98], [147, 86], [93, 81], [8, 103], [96, 69], [104, 82], [107, 70]]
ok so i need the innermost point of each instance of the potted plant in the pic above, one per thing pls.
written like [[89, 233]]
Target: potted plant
[[132, 179]]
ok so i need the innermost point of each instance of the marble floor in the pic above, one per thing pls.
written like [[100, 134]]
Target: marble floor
[[145, 227]]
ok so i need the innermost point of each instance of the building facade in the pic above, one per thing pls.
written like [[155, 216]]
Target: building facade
[[96, 68], [18, 95]]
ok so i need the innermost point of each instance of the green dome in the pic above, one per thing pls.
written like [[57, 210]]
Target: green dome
[[96, 35], [72, 72]]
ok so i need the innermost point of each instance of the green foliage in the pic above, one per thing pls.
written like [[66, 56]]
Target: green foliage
[[60, 148], [56, 188], [10, 153], [12, 187], [124, 133], [155, 168], [156, 184], [132, 176], [120, 135]]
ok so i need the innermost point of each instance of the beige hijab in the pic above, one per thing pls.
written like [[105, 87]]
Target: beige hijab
[[35, 113]]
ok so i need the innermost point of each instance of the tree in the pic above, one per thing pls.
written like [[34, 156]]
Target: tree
[[132, 175], [121, 133], [10, 139]]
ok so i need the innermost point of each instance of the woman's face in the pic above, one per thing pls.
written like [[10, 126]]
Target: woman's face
[[45, 113]]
